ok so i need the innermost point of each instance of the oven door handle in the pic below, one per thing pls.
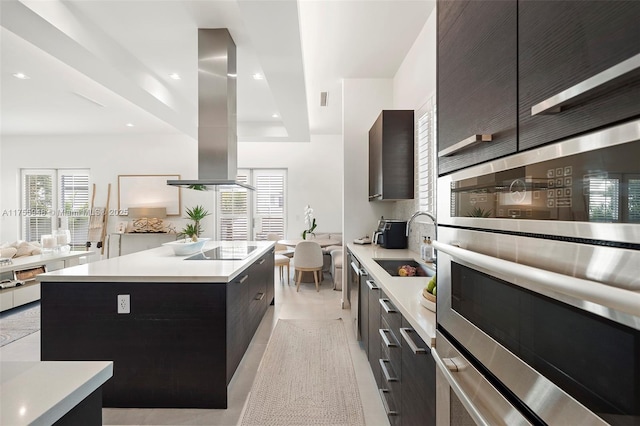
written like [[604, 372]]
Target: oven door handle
[[592, 291], [445, 369]]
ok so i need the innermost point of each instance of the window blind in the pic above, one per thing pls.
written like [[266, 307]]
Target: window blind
[[74, 206], [233, 212], [633, 200], [38, 203], [55, 199], [426, 146], [269, 205]]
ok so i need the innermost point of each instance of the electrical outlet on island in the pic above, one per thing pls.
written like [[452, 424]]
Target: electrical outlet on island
[[124, 304]]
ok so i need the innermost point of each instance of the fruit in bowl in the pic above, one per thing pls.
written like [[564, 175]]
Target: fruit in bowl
[[429, 292], [406, 271]]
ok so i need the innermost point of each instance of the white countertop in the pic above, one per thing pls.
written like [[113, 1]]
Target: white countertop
[[40, 393], [404, 292], [26, 262], [161, 265]]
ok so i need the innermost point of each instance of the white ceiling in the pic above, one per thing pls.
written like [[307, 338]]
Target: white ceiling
[[95, 65]]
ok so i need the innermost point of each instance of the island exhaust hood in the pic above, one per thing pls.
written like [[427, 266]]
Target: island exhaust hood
[[217, 120]]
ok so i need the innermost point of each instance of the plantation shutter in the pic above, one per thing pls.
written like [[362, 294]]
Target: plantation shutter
[[38, 203], [74, 206], [233, 212], [269, 203], [426, 136], [633, 200]]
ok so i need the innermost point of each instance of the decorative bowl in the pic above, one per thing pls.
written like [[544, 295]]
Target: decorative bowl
[[427, 300], [185, 247]]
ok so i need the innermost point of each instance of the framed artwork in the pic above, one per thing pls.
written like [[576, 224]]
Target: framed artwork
[[149, 191]]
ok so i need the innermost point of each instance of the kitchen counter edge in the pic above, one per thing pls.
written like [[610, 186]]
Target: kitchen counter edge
[[404, 292]]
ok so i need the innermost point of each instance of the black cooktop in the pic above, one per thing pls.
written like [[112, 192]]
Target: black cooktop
[[224, 253]]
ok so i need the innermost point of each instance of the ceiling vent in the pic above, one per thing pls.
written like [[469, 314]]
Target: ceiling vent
[[324, 97]]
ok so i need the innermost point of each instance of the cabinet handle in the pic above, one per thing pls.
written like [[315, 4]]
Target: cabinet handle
[[387, 306], [383, 395], [259, 296], [385, 371], [243, 279], [414, 348], [371, 197], [372, 285], [262, 261], [388, 343], [555, 103], [468, 142]]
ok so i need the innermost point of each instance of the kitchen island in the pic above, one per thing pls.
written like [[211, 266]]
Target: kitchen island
[[175, 328]]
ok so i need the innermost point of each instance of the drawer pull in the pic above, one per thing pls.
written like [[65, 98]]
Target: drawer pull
[[388, 343], [243, 279], [414, 348], [383, 395], [371, 197], [555, 103], [372, 285], [259, 296], [262, 261], [387, 306], [464, 144], [385, 371]]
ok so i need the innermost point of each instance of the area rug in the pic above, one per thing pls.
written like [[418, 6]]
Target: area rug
[[18, 323], [306, 377]]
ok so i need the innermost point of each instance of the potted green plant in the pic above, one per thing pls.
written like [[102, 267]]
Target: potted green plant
[[193, 230]]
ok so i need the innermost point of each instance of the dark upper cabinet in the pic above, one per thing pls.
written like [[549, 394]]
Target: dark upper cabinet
[[391, 156], [563, 44], [477, 82]]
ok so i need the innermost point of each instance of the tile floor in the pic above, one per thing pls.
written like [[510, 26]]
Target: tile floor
[[307, 304]]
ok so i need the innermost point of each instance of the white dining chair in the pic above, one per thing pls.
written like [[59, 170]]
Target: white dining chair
[[307, 257], [280, 248]]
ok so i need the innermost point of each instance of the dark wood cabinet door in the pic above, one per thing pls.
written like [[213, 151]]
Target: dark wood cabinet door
[[476, 81], [560, 45], [419, 383], [364, 314], [391, 147], [237, 327], [374, 333]]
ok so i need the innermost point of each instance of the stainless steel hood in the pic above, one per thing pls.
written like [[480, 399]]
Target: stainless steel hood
[[217, 120]]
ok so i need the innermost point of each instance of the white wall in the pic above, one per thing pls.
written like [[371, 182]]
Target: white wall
[[314, 177], [363, 100], [106, 157], [413, 84]]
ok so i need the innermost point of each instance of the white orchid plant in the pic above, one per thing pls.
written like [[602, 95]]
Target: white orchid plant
[[309, 221]]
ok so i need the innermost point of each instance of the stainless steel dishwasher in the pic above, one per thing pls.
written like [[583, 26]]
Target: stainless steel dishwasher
[[355, 275]]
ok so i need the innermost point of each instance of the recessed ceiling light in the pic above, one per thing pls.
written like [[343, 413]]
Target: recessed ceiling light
[[275, 115], [21, 76], [258, 76], [130, 125], [175, 76]]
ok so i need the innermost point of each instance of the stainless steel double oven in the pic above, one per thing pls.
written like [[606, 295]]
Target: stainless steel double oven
[[539, 285]]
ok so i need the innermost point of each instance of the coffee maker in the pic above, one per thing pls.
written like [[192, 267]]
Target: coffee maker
[[391, 234]]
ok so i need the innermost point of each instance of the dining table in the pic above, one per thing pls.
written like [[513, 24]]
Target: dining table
[[307, 277]]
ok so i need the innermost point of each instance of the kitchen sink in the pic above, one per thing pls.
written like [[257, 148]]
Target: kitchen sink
[[391, 267]]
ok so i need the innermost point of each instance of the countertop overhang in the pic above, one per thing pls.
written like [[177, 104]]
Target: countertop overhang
[[161, 265], [404, 292]]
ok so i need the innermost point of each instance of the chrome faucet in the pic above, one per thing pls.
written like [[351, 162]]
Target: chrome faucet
[[419, 213]]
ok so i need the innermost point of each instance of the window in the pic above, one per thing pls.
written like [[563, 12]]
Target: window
[[633, 200], [55, 199], [426, 136], [266, 205]]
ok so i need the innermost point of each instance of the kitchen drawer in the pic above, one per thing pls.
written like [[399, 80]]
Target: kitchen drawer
[[391, 351], [391, 315], [26, 294]]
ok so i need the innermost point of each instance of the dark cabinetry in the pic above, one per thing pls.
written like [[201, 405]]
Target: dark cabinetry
[[477, 82], [567, 45], [391, 156], [390, 359], [418, 385]]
